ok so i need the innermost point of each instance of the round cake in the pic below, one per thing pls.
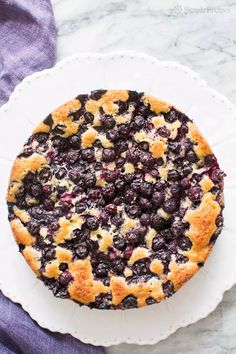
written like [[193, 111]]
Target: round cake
[[116, 200]]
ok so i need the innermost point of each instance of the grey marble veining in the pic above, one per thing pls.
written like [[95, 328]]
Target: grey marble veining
[[197, 33]]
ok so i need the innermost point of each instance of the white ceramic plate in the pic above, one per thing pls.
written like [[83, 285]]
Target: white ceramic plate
[[37, 96]]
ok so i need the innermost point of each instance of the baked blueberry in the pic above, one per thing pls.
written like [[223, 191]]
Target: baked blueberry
[[119, 184], [120, 162], [158, 243], [129, 195], [173, 175], [112, 135], [133, 155], [33, 227], [132, 237], [118, 266], [141, 267], [108, 122], [157, 198], [108, 192], [81, 251], [124, 130], [139, 122], [145, 203], [164, 132], [133, 211], [146, 189], [65, 278], [35, 190], [147, 159], [92, 223], [191, 156], [119, 243], [75, 141], [60, 173], [102, 269], [117, 220], [90, 179], [97, 94], [171, 116], [168, 288], [129, 302], [144, 145], [110, 176], [175, 190], [108, 155], [195, 193], [145, 219], [177, 228], [170, 205], [184, 243], [87, 154], [89, 117], [157, 221]]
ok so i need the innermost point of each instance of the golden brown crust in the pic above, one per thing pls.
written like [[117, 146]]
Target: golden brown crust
[[21, 214], [20, 168], [202, 221], [202, 148], [149, 237], [157, 105], [52, 269], [157, 267], [107, 102], [128, 168], [159, 121], [110, 97], [32, 257], [120, 289], [92, 106], [105, 142], [199, 256], [137, 254], [206, 184], [181, 273], [62, 115], [128, 225], [89, 137], [158, 148], [63, 255], [42, 128], [84, 288], [66, 228], [21, 234], [106, 241]]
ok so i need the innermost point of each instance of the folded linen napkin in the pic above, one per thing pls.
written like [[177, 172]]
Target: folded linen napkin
[[27, 41], [27, 44]]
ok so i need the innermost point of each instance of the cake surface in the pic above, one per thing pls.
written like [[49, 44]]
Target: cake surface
[[116, 200]]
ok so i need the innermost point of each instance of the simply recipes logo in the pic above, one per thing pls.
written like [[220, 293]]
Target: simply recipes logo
[[179, 10]]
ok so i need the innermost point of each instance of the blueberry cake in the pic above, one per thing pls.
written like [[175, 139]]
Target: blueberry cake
[[116, 200]]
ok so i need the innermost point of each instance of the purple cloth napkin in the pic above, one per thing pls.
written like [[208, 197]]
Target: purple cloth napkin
[[27, 44], [19, 334], [27, 41]]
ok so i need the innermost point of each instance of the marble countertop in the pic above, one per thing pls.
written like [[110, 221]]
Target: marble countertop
[[197, 33]]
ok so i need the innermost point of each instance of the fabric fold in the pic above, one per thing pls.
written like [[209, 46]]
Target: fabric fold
[[27, 41]]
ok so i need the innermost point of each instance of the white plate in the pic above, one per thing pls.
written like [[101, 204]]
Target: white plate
[[37, 96]]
